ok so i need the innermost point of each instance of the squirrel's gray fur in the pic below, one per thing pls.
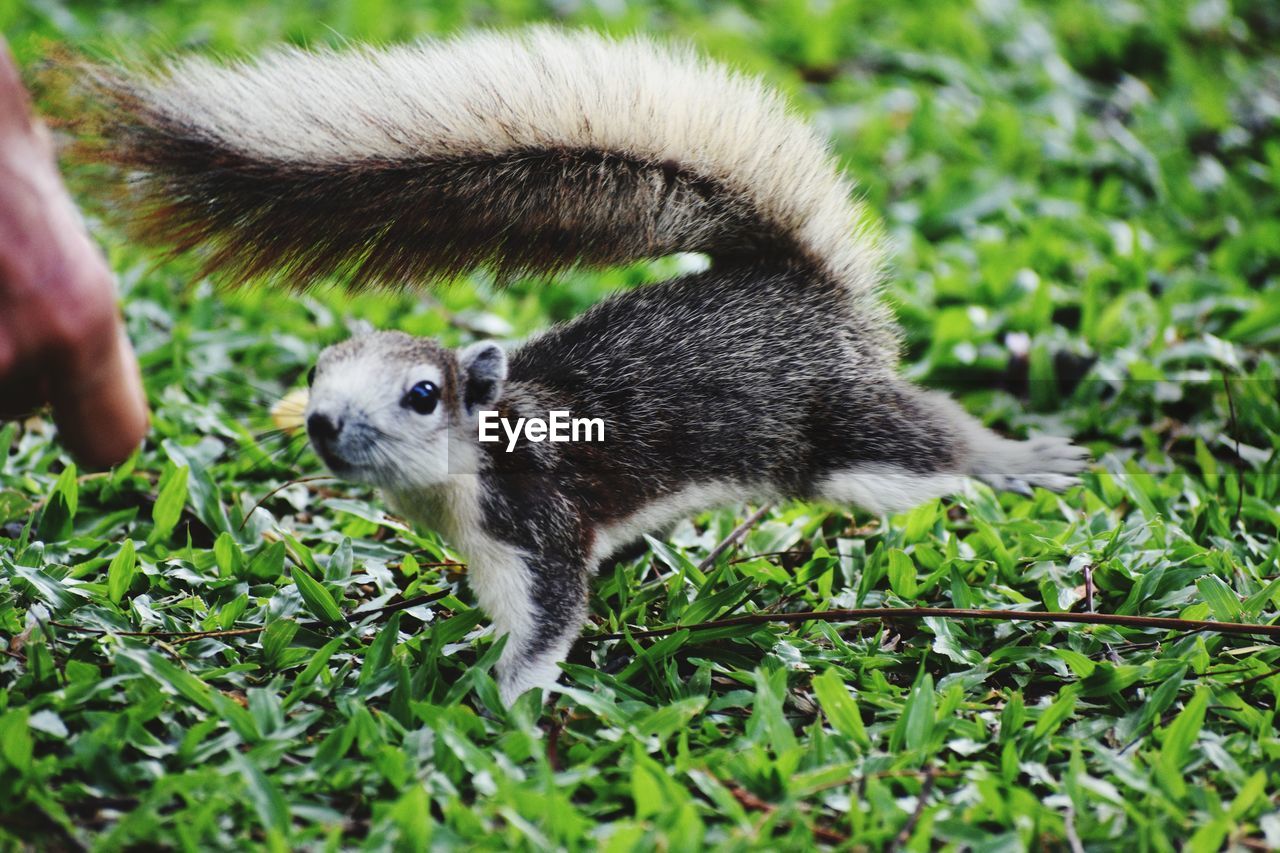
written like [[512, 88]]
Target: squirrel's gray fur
[[772, 375]]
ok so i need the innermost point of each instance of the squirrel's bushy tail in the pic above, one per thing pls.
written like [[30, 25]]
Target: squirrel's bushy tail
[[528, 152]]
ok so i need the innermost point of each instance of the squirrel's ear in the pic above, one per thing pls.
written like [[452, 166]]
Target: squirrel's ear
[[359, 328], [483, 369]]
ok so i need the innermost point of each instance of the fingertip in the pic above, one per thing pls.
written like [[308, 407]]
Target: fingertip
[[103, 417]]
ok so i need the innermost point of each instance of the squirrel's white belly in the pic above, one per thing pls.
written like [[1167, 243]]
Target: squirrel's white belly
[[671, 507]]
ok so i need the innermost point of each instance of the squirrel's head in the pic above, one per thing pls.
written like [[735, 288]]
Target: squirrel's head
[[400, 412]]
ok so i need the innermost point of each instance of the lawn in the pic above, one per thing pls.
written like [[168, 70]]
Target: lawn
[[196, 653]]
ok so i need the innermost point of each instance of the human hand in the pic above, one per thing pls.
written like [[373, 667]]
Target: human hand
[[62, 341]]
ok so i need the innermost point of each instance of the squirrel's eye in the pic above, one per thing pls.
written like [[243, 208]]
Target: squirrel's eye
[[311, 376], [422, 398]]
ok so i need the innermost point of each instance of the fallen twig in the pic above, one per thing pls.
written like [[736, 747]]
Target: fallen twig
[[1255, 679], [792, 552], [916, 613], [753, 803], [736, 534], [922, 800], [387, 609], [553, 743], [1239, 462], [269, 495], [1088, 598], [204, 635]]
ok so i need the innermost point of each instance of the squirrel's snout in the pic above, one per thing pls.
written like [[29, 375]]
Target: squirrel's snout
[[322, 428], [324, 431]]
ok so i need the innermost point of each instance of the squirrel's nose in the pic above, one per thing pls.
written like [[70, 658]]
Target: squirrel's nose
[[322, 427]]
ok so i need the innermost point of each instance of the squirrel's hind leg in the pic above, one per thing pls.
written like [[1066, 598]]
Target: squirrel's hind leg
[[1046, 461], [896, 446]]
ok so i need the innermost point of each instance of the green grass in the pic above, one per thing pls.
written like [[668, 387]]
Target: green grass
[[1083, 201]]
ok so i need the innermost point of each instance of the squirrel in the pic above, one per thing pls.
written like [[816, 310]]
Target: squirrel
[[770, 375]]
